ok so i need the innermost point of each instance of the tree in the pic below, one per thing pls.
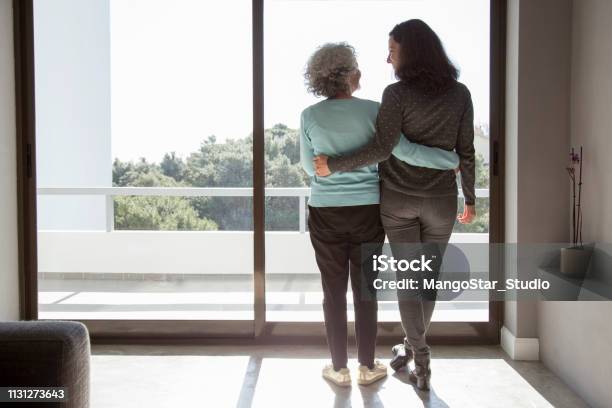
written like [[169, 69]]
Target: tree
[[172, 166], [223, 165], [127, 173], [150, 212], [230, 164], [159, 214]]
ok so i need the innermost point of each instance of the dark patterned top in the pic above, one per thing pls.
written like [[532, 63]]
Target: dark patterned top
[[445, 120]]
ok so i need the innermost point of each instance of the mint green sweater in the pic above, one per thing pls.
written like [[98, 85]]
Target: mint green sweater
[[336, 127]]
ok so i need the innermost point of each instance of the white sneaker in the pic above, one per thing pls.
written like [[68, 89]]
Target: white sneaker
[[341, 377], [367, 376]]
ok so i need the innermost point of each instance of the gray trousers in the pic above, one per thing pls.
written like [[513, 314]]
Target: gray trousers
[[337, 235], [413, 219]]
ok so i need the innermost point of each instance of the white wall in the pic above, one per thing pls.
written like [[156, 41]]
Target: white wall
[[73, 120], [511, 147], [9, 284], [537, 134], [576, 337]]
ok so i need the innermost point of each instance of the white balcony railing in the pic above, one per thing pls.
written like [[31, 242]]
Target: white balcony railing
[[110, 192], [185, 252]]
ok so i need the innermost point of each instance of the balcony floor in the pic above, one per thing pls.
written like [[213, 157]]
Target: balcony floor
[[209, 297]]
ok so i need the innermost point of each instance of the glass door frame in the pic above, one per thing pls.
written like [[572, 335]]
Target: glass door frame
[[257, 330]]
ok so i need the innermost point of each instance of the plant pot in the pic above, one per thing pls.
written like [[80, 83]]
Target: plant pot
[[575, 261]]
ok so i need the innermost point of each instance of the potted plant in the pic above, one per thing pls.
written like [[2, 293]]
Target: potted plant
[[576, 258]]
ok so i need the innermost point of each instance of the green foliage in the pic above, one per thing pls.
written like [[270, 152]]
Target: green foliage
[[482, 172], [221, 165], [149, 212], [172, 166], [130, 174], [158, 213], [230, 164]]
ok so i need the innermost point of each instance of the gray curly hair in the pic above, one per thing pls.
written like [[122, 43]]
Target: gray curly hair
[[329, 69]]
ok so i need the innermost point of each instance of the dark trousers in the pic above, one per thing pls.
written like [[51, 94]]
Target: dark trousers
[[411, 219], [337, 235]]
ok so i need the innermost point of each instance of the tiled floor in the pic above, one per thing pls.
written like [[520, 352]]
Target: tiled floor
[[289, 376]]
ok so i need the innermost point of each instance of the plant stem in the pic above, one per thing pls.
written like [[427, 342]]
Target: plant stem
[[573, 177], [580, 201], [574, 225]]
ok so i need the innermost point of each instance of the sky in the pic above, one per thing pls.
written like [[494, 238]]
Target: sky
[[181, 70]]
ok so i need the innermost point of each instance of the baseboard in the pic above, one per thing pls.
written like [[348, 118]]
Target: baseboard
[[519, 348]]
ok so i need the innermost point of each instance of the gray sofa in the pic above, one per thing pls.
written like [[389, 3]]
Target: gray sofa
[[49, 353]]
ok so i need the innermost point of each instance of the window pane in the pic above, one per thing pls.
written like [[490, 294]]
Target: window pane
[[134, 94], [293, 31]]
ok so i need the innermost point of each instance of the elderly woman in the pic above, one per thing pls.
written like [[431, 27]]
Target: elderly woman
[[344, 207]]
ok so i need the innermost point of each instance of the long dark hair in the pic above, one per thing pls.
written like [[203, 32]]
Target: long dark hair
[[423, 61]]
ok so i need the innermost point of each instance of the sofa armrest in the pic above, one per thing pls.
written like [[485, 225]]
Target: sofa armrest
[[49, 353]]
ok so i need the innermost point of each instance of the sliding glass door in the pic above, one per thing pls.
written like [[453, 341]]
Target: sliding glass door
[[169, 193], [293, 31], [144, 160]]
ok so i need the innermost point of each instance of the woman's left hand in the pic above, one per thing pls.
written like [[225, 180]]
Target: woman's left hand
[[320, 165], [469, 213]]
